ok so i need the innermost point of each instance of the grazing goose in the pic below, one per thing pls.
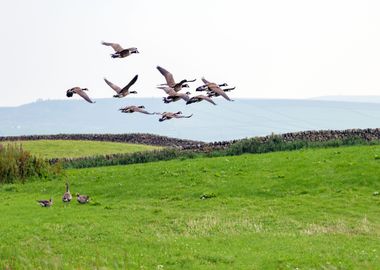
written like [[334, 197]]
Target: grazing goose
[[213, 87], [79, 91], [46, 203], [67, 195], [199, 98], [171, 115], [132, 109], [170, 80], [122, 92], [82, 199], [205, 87], [120, 52], [173, 95]]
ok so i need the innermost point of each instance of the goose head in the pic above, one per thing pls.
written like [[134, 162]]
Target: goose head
[[69, 93], [84, 89], [185, 85], [141, 107], [179, 112], [223, 84], [133, 92]]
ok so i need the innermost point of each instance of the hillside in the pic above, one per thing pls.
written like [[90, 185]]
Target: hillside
[[238, 119], [309, 209]]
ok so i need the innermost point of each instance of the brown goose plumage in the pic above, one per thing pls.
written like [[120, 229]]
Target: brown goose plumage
[[120, 52], [122, 92], [171, 115], [173, 95], [80, 92], [213, 87], [170, 80], [67, 195], [199, 98], [45, 203], [82, 199], [132, 109]]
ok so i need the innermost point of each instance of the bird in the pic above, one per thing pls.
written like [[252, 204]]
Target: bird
[[79, 91], [67, 195], [199, 98], [170, 80], [213, 87], [213, 94], [132, 109], [171, 115], [205, 87], [46, 203], [122, 92], [173, 95], [120, 52], [82, 199]]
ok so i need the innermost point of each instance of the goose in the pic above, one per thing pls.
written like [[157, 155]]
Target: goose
[[82, 199], [199, 98], [171, 115], [171, 82], [205, 87], [46, 203], [213, 94], [79, 91], [67, 195], [122, 92], [173, 95], [213, 87], [132, 109], [120, 52]]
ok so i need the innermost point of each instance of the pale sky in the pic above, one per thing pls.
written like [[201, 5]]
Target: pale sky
[[267, 49]]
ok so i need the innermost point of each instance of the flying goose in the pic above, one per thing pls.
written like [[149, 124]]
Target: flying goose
[[171, 115], [67, 195], [170, 80], [213, 94], [82, 199], [205, 87], [213, 87], [122, 92], [79, 91], [199, 98], [173, 95], [120, 52], [132, 109], [46, 203]]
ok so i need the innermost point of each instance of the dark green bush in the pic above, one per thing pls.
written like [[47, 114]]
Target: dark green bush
[[18, 164]]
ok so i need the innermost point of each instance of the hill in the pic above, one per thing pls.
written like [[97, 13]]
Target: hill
[[239, 119], [308, 209]]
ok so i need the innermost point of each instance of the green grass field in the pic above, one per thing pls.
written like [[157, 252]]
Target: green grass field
[[308, 209], [73, 148]]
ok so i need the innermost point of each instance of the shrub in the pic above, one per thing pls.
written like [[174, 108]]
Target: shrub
[[18, 164]]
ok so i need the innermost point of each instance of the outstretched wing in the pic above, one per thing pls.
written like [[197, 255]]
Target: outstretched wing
[[114, 46], [168, 90], [113, 86], [168, 76], [206, 98], [216, 89], [205, 81], [83, 95], [126, 88]]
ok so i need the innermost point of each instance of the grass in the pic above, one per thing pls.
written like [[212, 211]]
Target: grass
[[307, 209], [74, 148]]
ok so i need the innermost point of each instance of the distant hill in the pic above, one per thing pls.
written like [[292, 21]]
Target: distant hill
[[365, 99], [226, 121]]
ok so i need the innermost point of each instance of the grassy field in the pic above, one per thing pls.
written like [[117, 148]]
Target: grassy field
[[308, 209], [73, 148]]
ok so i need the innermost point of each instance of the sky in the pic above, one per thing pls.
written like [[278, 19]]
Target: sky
[[267, 49]]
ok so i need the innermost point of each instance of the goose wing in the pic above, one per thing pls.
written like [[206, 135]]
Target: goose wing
[[113, 86], [168, 90], [206, 98], [126, 88], [83, 95], [114, 46], [205, 81], [217, 90], [185, 97], [168, 76]]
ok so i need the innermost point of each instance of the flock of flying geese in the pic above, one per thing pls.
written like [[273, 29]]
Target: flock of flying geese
[[66, 198], [171, 88]]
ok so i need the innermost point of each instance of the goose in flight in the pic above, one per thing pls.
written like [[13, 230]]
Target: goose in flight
[[199, 98], [122, 92], [213, 87], [213, 94], [173, 95], [79, 91], [205, 87], [120, 52], [132, 109], [171, 115], [170, 80]]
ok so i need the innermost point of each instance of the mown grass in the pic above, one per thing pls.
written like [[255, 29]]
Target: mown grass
[[76, 148], [306, 209]]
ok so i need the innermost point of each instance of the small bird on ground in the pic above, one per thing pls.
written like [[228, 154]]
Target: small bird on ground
[[120, 52], [67, 195], [45, 203], [79, 91], [171, 115], [199, 98], [132, 109], [122, 92], [82, 199], [171, 82]]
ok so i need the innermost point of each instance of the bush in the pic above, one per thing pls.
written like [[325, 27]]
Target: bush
[[18, 164]]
